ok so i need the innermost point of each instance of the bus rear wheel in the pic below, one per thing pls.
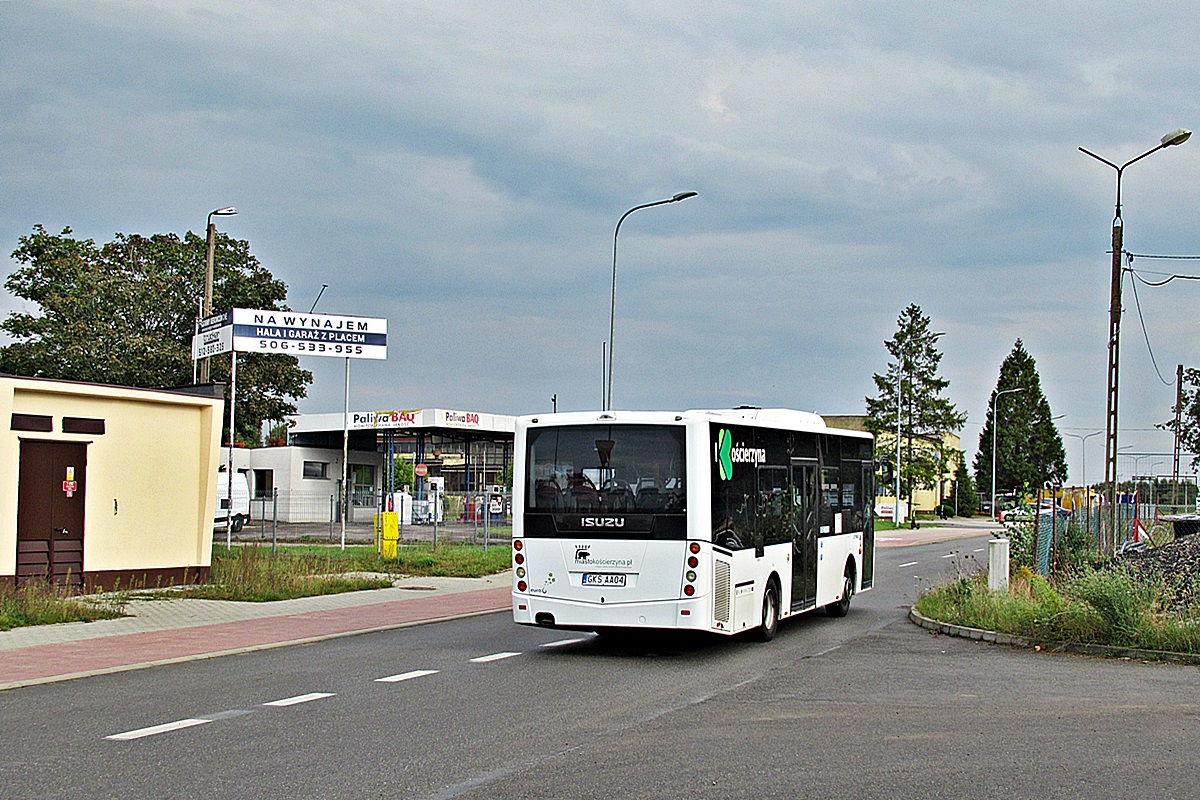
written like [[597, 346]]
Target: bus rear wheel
[[770, 614], [839, 608]]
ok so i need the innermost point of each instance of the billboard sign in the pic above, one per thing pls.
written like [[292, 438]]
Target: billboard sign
[[297, 334]]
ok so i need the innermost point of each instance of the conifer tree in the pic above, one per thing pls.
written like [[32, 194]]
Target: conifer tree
[[1029, 448], [910, 396]]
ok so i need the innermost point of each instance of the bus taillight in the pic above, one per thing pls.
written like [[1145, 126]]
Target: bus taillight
[[518, 545], [519, 558], [522, 586], [690, 576]]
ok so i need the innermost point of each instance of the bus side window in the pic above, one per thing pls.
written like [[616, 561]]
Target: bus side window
[[830, 498]]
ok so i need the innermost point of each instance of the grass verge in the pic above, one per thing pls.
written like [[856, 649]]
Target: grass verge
[[1108, 607], [42, 604], [253, 573]]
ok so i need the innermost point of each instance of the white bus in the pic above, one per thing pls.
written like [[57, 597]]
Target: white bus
[[722, 520]]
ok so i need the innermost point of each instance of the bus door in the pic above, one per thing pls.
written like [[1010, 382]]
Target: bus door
[[805, 505], [868, 527]]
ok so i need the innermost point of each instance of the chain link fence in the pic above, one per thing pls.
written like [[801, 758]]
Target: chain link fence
[[317, 517]]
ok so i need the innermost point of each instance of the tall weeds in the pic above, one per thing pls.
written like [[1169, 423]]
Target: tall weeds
[[43, 604], [1091, 607]]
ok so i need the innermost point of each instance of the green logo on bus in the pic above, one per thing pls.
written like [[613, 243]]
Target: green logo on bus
[[725, 454]]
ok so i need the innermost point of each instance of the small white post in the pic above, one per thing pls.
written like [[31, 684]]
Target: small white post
[[346, 494], [998, 565]]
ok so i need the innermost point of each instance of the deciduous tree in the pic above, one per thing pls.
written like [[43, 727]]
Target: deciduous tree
[[124, 313]]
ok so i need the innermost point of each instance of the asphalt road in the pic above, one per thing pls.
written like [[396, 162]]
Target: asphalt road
[[868, 706]]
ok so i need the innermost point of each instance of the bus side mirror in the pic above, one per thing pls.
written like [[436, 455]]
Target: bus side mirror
[[885, 471]]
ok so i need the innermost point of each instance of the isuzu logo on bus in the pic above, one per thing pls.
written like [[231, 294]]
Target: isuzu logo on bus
[[602, 522]]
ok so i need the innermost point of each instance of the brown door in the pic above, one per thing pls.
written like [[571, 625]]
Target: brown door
[[50, 494]]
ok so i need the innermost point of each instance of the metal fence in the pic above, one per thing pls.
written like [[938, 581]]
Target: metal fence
[[1147, 518], [307, 516]]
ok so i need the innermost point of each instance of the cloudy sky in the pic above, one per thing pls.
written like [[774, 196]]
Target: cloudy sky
[[458, 168]]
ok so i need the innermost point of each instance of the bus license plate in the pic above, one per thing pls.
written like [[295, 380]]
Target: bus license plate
[[603, 579]]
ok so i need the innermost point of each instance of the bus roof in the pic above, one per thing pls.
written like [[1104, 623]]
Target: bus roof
[[786, 418]]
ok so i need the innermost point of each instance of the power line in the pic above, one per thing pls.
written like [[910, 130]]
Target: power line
[[1169, 278], [1137, 301]]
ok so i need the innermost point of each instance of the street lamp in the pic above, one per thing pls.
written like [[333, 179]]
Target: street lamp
[[613, 309], [1087, 492], [1083, 450], [206, 308], [1177, 136], [995, 426]]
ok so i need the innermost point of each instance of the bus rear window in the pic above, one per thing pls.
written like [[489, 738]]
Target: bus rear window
[[631, 468]]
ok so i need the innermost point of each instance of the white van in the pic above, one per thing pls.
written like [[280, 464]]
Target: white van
[[241, 500]]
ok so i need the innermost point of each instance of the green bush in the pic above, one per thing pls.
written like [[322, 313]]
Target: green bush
[[1020, 545]]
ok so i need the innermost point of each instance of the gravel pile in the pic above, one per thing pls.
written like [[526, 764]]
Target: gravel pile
[[1175, 565]]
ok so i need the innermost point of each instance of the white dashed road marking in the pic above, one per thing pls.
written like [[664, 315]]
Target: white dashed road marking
[[493, 657], [407, 676], [909, 564], [155, 729], [949, 555], [300, 698], [307, 698]]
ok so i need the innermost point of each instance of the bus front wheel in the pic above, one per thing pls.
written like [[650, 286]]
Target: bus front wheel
[[770, 614]]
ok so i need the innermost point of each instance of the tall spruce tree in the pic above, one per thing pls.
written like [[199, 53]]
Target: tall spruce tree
[[910, 395], [1029, 448]]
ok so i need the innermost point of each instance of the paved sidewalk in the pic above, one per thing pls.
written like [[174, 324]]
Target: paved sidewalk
[[170, 631], [942, 531]]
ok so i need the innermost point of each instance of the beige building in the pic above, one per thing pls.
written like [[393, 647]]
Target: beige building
[[924, 499], [106, 485]]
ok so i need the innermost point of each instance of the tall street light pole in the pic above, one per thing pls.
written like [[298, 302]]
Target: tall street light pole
[[206, 309], [1087, 492], [1083, 450], [995, 427], [1178, 136], [613, 309]]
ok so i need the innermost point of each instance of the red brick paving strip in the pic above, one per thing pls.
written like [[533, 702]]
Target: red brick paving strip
[[110, 653]]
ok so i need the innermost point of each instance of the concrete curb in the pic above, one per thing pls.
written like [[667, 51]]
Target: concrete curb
[[1099, 650], [240, 650]]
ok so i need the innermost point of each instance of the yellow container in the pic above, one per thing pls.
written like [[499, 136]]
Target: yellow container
[[388, 528]]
